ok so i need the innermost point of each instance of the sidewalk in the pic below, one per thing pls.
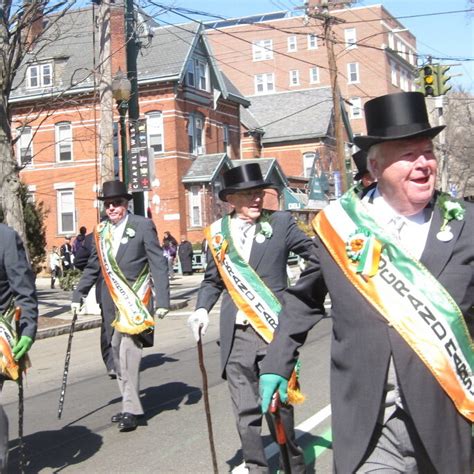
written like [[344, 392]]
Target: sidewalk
[[55, 305]]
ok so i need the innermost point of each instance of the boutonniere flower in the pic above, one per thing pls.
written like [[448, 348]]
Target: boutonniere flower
[[451, 209], [130, 232], [266, 230]]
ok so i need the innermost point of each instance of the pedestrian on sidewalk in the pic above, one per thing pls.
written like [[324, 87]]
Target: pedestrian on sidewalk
[[54, 265], [170, 246], [17, 289], [67, 257], [397, 260], [250, 250], [127, 260], [185, 255]]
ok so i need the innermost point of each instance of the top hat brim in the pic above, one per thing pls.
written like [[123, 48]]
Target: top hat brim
[[243, 187], [114, 196], [365, 142]]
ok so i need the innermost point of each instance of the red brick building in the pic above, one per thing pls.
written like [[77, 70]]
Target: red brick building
[[190, 109]]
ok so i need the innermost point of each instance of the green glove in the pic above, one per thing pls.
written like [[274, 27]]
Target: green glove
[[22, 347], [269, 384]]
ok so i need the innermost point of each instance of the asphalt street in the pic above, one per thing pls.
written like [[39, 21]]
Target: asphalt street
[[172, 437]]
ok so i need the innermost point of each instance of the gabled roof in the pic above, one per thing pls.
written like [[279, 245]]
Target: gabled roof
[[205, 168], [292, 116], [70, 45]]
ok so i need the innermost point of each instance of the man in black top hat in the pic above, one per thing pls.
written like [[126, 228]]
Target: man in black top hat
[[126, 260], [398, 263], [250, 250], [363, 174]]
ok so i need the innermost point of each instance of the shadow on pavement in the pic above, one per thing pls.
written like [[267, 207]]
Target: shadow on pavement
[[154, 360], [169, 396], [56, 450]]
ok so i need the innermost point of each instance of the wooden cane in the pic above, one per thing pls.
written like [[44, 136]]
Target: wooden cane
[[280, 432], [206, 402]]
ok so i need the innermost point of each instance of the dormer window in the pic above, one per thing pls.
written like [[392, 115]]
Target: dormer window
[[197, 74], [39, 75]]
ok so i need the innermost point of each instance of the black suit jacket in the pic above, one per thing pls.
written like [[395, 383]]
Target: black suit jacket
[[269, 260], [17, 280], [362, 343], [131, 258]]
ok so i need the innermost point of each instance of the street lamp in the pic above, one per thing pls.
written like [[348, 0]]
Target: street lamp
[[121, 91]]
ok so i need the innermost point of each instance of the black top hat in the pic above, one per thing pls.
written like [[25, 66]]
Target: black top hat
[[114, 189], [396, 116], [242, 177], [360, 160]]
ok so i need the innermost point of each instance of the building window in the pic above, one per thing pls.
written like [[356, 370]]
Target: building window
[[63, 132], [312, 42], [262, 50], [226, 139], [25, 145], [403, 81], [39, 75], [66, 211], [355, 108], [352, 73], [197, 74], [314, 75], [394, 74], [350, 38], [196, 134], [294, 78], [292, 44], [264, 83], [308, 161], [391, 41], [195, 206], [154, 127]]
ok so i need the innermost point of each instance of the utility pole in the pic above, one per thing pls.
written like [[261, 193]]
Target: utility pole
[[328, 22], [133, 104], [106, 148]]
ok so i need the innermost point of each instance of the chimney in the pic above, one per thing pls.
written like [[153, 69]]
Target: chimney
[[33, 19]]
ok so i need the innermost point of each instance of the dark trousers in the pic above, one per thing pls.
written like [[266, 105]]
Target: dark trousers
[[106, 333], [243, 370], [3, 436]]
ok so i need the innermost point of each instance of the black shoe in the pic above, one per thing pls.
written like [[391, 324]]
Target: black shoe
[[128, 422], [111, 373], [116, 418]]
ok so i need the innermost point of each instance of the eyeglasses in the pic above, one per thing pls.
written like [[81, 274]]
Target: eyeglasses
[[114, 203], [251, 193]]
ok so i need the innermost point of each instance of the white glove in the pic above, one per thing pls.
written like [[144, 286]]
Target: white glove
[[161, 312], [76, 307], [199, 318]]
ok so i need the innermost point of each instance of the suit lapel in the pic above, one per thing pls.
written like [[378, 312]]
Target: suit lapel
[[437, 253]]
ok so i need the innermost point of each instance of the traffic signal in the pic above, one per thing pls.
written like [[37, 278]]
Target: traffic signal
[[442, 79], [429, 80]]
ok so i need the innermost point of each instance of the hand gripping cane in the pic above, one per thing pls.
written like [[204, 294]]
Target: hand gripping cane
[[280, 432], [206, 402], [21, 405], [66, 363]]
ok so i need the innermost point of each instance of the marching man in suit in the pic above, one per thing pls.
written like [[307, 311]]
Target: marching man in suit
[[250, 251], [126, 260], [398, 262]]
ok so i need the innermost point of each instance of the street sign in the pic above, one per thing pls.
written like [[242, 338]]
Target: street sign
[[138, 163]]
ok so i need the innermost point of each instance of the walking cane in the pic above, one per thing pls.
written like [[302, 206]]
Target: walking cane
[[21, 404], [280, 432], [66, 363], [206, 402]]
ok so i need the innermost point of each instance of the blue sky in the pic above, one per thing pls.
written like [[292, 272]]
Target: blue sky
[[447, 36]]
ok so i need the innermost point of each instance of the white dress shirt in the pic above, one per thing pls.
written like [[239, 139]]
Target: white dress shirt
[[239, 228], [117, 231]]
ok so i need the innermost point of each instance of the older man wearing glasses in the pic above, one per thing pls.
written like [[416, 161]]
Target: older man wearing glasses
[[126, 258], [250, 249]]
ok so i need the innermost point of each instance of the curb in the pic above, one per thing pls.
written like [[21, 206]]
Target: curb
[[91, 324]]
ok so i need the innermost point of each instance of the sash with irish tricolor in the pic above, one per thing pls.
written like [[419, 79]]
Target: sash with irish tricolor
[[407, 295], [249, 293], [132, 315]]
